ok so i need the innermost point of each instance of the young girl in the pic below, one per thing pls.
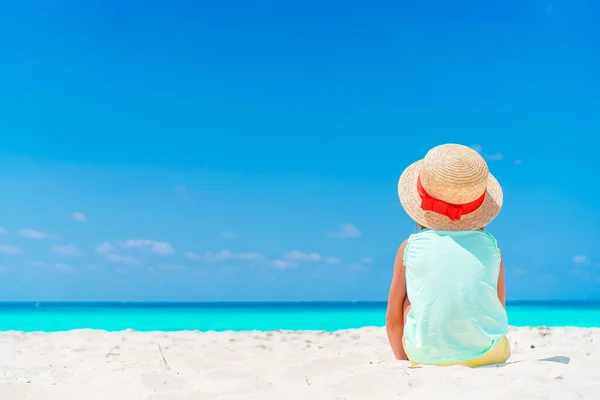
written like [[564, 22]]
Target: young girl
[[446, 303]]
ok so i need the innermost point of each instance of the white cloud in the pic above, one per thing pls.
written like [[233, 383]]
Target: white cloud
[[66, 250], [32, 234], [10, 250], [37, 264], [228, 235], [281, 264], [182, 191], [3, 232], [106, 248], [356, 266], [290, 259], [296, 255], [192, 256], [173, 267], [580, 259], [110, 252], [117, 258], [494, 157], [79, 217], [161, 248], [346, 231], [223, 255], [477, 148], [65, 268], [366, 260]]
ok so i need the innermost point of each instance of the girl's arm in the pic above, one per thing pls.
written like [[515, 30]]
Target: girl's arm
[[394, 321], [501, 284]]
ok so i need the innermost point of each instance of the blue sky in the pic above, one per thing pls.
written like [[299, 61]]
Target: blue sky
[[250, 150]]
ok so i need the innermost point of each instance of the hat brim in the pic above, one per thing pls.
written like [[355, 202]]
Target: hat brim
[[411, 202]]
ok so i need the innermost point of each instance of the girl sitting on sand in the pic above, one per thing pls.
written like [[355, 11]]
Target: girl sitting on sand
[[446, 302]]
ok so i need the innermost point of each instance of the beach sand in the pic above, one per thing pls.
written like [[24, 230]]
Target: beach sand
[[554, 363]]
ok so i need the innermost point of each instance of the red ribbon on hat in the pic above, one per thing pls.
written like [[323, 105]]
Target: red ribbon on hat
[[452, 211]]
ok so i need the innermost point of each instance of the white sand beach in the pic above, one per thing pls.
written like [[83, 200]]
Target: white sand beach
[[547, 363]]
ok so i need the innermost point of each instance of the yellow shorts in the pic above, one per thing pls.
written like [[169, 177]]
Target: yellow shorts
[[496, 355]]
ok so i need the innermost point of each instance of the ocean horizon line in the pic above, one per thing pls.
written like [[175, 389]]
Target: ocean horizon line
[[252, 304]]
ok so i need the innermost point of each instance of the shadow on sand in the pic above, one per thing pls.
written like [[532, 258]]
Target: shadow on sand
[[556, 359]]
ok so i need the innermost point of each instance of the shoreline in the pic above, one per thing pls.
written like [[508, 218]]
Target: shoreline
[[511, 328], [547, 363]]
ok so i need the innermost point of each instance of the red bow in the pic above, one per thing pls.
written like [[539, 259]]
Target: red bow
[[452, 211]]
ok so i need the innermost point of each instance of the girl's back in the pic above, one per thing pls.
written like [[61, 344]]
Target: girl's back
[[452, 286]]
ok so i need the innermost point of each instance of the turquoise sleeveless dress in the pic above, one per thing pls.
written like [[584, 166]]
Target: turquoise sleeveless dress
[[451, 282]]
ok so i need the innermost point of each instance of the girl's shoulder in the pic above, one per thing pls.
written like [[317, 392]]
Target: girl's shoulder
[[432, 238]]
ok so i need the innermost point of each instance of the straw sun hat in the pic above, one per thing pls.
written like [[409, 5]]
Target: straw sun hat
[[450, 189]]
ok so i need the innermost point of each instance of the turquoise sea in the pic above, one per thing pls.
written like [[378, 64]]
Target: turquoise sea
[[52, 317]]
